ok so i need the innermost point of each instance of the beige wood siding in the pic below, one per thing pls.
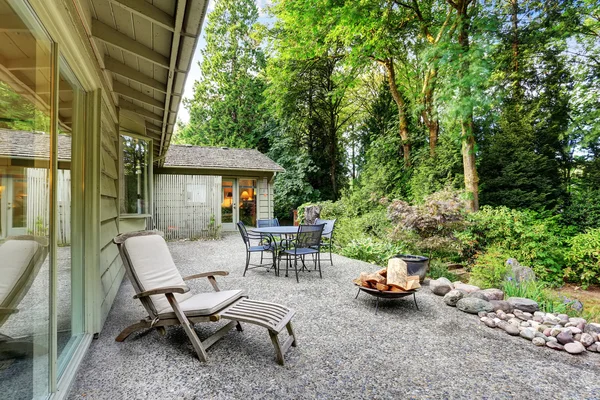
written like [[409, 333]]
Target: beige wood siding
[[263, 199], [185, 205], [111, 267]]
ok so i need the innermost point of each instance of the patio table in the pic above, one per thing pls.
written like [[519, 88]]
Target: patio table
[[280, 230]]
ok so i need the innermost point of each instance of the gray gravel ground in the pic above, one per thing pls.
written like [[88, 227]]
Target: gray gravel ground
[[345, 351]]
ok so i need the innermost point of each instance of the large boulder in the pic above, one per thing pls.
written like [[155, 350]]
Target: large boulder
[[523, 304], [465, 287], [502, 305], [440, 286], [311, 213], [473, 305], [453, 296], [519, 272], [493, 294], [478, 295]]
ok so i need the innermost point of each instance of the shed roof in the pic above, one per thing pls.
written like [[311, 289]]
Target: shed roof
[[32, 145], [199, 157]]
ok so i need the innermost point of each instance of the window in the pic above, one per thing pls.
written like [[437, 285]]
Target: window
[[134, 185]]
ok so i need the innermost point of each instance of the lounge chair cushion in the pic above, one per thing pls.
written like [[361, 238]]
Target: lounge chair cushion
[[15, 258], [204, 303], [154, 268]]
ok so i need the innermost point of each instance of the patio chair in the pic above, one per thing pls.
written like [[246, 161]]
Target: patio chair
[[168, 301], [327, 237], [21, 259], [307, 242], [263, 242]]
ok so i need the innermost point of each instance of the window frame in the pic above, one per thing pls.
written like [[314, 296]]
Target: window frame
[[148, 190]]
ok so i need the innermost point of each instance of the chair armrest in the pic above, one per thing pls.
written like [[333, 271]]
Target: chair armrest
[[206, 275], [4, 310], [163, 290]]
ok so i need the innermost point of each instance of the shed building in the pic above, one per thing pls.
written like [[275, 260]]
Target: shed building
[[201, 190]]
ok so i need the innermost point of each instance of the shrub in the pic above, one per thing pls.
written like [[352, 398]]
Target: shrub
[[583, 258], [438, 269], [372, 250], [522, 234], [583, 211], [490, 268], [433, 222]]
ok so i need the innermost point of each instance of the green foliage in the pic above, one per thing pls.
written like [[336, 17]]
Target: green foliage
[[372, 250], [583, 211], [226, 107], [529, 237], [489, 269], [438, 269], [583, 258]]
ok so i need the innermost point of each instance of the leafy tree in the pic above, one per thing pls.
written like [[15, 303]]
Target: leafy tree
[[226, 107]]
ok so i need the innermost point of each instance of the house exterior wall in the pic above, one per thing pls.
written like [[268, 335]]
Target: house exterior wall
[[111, 269], [187, 206]]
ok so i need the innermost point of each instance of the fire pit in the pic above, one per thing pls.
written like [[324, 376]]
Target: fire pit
[[386, 294]]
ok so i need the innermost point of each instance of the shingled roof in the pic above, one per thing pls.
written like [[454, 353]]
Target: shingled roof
[[219, 158], [32, 145]]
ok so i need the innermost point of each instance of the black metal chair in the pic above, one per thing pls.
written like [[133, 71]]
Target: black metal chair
[[307, 242], [267, 223], [263, 243], [327, 237]]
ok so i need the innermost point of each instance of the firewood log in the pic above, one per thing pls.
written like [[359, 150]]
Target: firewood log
[[382, 272], [382, 287], [396, 273]]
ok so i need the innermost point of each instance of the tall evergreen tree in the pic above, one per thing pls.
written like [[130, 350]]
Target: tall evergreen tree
[[225, 109]]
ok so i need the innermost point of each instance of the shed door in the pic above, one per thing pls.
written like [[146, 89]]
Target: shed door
[[229, 204]]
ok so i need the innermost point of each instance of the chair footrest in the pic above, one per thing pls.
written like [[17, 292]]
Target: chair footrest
[[272, 316]]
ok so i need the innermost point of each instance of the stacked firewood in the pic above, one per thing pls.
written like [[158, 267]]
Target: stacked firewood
[[394, 278]]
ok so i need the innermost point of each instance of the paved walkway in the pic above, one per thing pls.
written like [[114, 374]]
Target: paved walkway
[[345, 350]]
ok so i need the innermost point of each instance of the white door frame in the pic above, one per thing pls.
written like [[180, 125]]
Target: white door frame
[[231, 226]]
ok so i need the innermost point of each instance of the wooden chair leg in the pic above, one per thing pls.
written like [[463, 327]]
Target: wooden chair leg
[[188, 328], [291, 332], [278, 349], [132, 328]]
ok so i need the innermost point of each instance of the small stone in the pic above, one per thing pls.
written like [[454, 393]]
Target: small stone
[[555, 331], [465, 287], [528, 315], [508, 328], [527, 334], [539, 341], [440, 286], [539, 314], [510, 315], [562, 322], [577, 337], [551, 339], [592, 327], [570, 324], [496, 320], [586, 339], [493, 294], [574, 348], [593, 348], [554, 345], [538, 319], [492, 315], [574, 330], [565, 337], [523, 304], [482, 314], [453, 296], [563, 317], [489, 322], [525, 324], [547, 332], [577, 320], [581, 325], [473, 305], [515, 321]]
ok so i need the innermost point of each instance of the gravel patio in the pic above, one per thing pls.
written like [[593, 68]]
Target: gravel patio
[[345, 350]]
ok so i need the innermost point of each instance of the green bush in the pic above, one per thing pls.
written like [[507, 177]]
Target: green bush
[[531, 238], [583, 258], [438, 269], [372, 250], [490, 268]]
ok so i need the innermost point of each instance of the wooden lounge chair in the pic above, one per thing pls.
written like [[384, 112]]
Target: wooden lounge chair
[[21, 258], [166, 298]]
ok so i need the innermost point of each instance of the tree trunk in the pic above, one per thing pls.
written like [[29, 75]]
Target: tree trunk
[[466, 123], [401, 104]]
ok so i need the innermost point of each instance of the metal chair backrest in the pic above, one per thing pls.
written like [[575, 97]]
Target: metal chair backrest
[[309, 236], [329, 225], [267, 223], [244, 233]]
